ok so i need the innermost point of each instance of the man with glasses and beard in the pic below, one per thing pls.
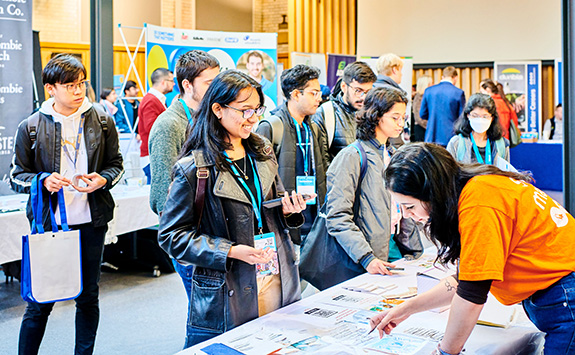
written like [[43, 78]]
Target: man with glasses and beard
[[336, 118]]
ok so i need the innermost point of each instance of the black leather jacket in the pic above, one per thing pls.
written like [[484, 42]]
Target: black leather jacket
[[104, 158], [224, 291]]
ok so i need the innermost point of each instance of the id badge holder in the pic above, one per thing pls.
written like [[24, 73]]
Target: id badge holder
[[306, 185], [267, 241]]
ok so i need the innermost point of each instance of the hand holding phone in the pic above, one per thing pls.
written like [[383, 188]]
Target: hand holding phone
[[276, 202]]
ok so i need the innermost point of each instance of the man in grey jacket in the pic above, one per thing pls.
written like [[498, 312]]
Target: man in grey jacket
[[195, 71]]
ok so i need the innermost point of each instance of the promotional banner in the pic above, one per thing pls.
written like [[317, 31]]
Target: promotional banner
[[314, 59], [336, 63], [522, 85], [558, 81], [165, 45], [16, 74]]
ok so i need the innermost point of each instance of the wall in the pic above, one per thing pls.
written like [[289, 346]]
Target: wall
[[267, 15], [224, 15], [442, 31]]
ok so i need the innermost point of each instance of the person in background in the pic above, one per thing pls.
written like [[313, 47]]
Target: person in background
[[368, 236], [337, 121], [301, 155], [389, 71], [238, 173], [507, 236], [419, 124], [553, 127], [442, 104], [255, 67], [130, 105], [504, 109], [478, 134], [96, 157], [195, 71], [153, 104], [107, 99]]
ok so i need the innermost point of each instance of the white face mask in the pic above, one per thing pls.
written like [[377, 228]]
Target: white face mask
[[479, 124]]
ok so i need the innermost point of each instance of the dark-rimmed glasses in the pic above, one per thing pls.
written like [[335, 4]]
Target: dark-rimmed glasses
[[248, 113]]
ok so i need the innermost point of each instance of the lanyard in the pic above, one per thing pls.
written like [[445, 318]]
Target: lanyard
[[256, 204], [304, 151], [488, 157], [78, 138], [187, 110]]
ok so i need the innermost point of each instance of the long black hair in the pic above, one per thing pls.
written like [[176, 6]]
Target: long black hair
[[429, 173], [207, 132], [377, 103], [484, 101]]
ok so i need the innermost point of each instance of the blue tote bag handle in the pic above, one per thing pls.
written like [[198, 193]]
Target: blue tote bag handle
[[38, 206]]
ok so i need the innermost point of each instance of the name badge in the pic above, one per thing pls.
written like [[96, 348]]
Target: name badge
[[306, 185], [267, 241]]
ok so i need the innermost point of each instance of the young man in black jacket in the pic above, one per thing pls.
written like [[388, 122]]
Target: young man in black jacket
[[79, 147]]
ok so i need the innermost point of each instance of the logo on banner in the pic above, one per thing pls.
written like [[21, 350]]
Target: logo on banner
[[164, 36], [511, 74], [251, 40], [184, 36], [231, 40]]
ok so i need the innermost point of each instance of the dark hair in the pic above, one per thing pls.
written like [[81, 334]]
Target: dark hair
[[501, 93], [130, 84], [208, 134], [159, 74], [377, 102], [63, 68], [105, 93], [484, 101], [191, 64], [429, 173], [254, 54], [360, 72], [296, 78], [559, 105], [489, 84]]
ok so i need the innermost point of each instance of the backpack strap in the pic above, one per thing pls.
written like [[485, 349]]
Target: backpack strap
[[552, 133], [363, 159], [202, 174], [102, 117], [32, 127], [460, 153], [277, 126], [329, 121]]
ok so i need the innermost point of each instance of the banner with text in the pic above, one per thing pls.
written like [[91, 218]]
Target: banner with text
[[16, 71], [522, 85], [165, 45], [336, 63]]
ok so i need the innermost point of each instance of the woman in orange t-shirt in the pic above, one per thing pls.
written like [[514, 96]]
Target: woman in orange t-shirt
[[509, 238]]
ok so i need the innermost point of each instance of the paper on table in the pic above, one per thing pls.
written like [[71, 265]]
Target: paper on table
[[399, 344], [496, 314]]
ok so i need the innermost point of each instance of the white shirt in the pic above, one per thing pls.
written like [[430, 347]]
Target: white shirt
[[77, 207], [159, 95], [558, 134]]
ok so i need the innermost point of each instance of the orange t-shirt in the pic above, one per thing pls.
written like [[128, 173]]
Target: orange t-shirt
[[513, 233]]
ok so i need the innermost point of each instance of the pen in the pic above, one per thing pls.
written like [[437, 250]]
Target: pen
[[372, 329], [395, 268]]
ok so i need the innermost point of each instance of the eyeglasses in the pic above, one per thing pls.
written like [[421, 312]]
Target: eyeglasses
[[398, 118], [73, 87], [358, 91], [316, 93], [485, 117], [250, 111]]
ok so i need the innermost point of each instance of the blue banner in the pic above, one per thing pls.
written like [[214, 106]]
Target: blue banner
[[533, 98], [16, 72]]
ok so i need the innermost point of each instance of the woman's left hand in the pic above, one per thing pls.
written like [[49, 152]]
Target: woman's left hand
[[295, 204]]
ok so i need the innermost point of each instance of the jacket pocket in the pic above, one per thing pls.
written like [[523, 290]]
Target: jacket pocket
[[208, 304]]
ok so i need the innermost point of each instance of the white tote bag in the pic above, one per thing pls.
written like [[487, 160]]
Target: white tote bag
[[51, 260]]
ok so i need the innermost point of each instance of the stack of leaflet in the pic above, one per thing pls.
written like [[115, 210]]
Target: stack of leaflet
[[427, 279]]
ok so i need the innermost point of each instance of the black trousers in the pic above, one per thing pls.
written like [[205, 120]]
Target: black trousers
[[87, 307]]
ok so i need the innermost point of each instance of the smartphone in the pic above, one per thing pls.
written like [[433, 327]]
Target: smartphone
[[276, 202]]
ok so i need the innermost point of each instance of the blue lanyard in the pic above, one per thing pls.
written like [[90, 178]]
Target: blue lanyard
[[304, 151], [78, 139], [488, 158], [187, 110], [256, 204]]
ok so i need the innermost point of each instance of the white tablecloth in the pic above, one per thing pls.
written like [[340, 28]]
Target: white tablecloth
[[132, 213]]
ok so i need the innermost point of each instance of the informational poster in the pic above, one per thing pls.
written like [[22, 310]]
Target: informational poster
[[165, 45], [336, 63], [315, 59], [16, 74], [522, 85]]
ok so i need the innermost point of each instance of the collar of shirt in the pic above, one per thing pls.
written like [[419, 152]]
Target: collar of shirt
[[447, 80], [159, 95]]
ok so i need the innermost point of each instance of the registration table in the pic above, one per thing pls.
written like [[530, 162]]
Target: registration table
[[335, 321], [132, 213]]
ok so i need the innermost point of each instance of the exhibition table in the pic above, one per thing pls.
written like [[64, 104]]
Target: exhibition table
[[544, 160], [132, 213], [335, 321]]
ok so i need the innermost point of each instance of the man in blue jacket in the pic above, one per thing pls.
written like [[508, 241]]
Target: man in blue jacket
[[441, 106]]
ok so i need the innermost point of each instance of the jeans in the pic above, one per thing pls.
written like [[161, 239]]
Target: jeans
[[186, 272], [553, 311], [87, 307]]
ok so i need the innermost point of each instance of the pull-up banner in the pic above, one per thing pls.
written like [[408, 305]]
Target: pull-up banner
[[15, 74], [165, 45]]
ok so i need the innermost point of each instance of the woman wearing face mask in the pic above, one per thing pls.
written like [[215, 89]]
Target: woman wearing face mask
[[235, 171], [479, 138]]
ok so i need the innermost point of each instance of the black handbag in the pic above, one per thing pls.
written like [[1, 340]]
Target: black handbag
[[514, 135], [323, 262]]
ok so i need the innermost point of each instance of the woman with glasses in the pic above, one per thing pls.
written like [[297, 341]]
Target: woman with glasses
[[215, 216], [365, 223], [478, 134]]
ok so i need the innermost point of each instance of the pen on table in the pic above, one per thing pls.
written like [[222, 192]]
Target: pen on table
[[372, 329], [395, 268]]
